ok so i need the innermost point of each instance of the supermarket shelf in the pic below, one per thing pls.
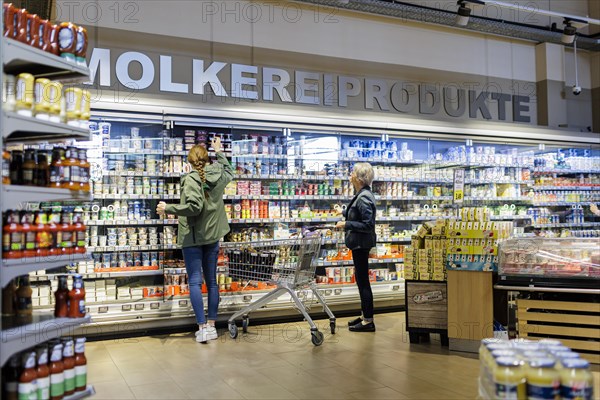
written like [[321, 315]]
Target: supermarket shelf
[[88, 392], [18, 128], [350, 262], [17, 196], [564, 171], [413, 218], [19, 334], [132, 151], [508, 217], [150, 222], [142, 174], [282, 220], [579, 187], [564, 203], [136, 197], [441, 165], [379, 240], [269, 156], [380, 161], [328, 178], [161, 247], [500, 181], [567, 225], [333, 197], [19, 57], [100, 275], [12, 268], [499, 199]]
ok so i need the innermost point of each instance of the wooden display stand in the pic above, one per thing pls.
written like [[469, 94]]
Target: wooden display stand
[[426, 310], [470, 309], [575, 324]]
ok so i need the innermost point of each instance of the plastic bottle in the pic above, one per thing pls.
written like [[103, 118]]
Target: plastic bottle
[[41, 99], [24, 94], [10, 379], [61, 296], [5, 167], [9, 299], [81, 46], [77, 298], [24, 305], [66, 233], [29, 234], [509, 379], [28, 167], [67, 40], [84, 170], [69, 365], [43, 237], [12, 236], [57, 167], [43, 373], [576, 381], [28, 378], [73, 105], [543, 380], [78, 231], [55, 97], [80, 365], [16, 168], [57, 376]]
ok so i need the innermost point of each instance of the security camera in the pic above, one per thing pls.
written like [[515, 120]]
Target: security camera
[[576, 90]]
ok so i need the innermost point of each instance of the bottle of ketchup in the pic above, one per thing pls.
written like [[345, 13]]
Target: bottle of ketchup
[[57, 376], [61, 305], [77, 298]]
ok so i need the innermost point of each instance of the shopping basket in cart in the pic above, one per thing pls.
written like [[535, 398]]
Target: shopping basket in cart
[[289, 264]]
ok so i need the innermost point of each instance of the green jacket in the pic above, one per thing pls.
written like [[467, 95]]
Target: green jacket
[[201, 212]]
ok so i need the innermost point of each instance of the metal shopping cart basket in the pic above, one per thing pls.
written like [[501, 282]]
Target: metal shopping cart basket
[[287, 263]]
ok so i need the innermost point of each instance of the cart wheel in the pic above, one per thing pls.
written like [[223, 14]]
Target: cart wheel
[[233, 330], [332, 326], [317, 338], [245, 322]]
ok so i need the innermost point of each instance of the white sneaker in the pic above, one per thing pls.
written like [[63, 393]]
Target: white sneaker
[[210, 333], [202, 335]]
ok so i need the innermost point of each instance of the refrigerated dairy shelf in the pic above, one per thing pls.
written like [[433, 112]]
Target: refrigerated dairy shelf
[[107, 222], [103, 249], [99, 275], [568, 225], [10, 269]]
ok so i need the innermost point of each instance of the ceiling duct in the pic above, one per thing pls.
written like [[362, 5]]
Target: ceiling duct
[[448, 18]]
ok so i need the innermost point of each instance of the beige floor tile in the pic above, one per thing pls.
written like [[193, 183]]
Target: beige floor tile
[[259, 392], [116, 389], [400, 381], [293, 378], [99, 372], [159, 391], [327, 392], [151, 375], [375, 394], [301, 360], [345, 380], [214, 391]]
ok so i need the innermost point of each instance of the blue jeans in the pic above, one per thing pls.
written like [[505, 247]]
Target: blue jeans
[[203, 260]]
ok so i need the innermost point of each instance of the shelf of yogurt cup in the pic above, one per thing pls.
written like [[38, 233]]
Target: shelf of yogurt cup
[[564, 203], [327, 178], [17, 196], [498, 181], [333, 197], [282, 220], [12, 268], [578, 187], [19, 57], [107, 249], [143, 174], [538, 170], [100, 275], [499, 199], [127, 222], [378, 160], [567, 225], [19, 334], [270, 156], [114, 196], [327, 263]]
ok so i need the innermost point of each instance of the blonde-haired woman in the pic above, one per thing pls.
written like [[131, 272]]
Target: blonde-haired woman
[[360, 238], [202, 223]]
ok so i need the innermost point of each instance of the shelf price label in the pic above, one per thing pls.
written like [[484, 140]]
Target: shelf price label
[[459, 186]]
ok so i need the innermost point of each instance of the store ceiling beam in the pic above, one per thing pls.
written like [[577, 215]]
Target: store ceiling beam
[[437, 16]]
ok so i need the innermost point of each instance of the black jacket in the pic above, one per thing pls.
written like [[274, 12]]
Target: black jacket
[[360, 221]]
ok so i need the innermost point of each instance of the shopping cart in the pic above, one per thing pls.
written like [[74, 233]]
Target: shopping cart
[[287, 263]]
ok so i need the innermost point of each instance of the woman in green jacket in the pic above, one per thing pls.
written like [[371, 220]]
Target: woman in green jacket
[[202, 223]]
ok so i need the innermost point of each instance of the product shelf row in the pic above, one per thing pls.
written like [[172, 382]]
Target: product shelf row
[[10, 269], [567, 225], [18, 196]]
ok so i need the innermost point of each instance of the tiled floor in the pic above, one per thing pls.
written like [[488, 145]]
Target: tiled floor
[[280, 362]]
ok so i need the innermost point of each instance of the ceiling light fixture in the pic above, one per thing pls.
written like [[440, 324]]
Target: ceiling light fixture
[[464, 13], [569, 32]]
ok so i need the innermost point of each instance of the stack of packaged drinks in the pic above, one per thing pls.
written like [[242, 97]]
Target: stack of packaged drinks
[[525, 369]]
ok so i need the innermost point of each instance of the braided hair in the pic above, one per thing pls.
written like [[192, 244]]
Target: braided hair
[[198, 158]]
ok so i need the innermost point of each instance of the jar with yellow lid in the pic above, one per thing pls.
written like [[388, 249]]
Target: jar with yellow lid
[[509, 379], [543, 380], [576, 381]]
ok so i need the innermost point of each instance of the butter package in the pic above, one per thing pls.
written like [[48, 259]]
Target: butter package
[[424, 276], [438, 276]]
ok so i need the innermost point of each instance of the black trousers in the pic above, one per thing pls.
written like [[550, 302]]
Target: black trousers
[[361, 273]]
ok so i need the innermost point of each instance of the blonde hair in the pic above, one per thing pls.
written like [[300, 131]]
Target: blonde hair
[[364, 173], [198, 158]]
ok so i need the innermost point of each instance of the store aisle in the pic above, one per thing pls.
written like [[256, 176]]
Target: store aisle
[[279, 362]]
